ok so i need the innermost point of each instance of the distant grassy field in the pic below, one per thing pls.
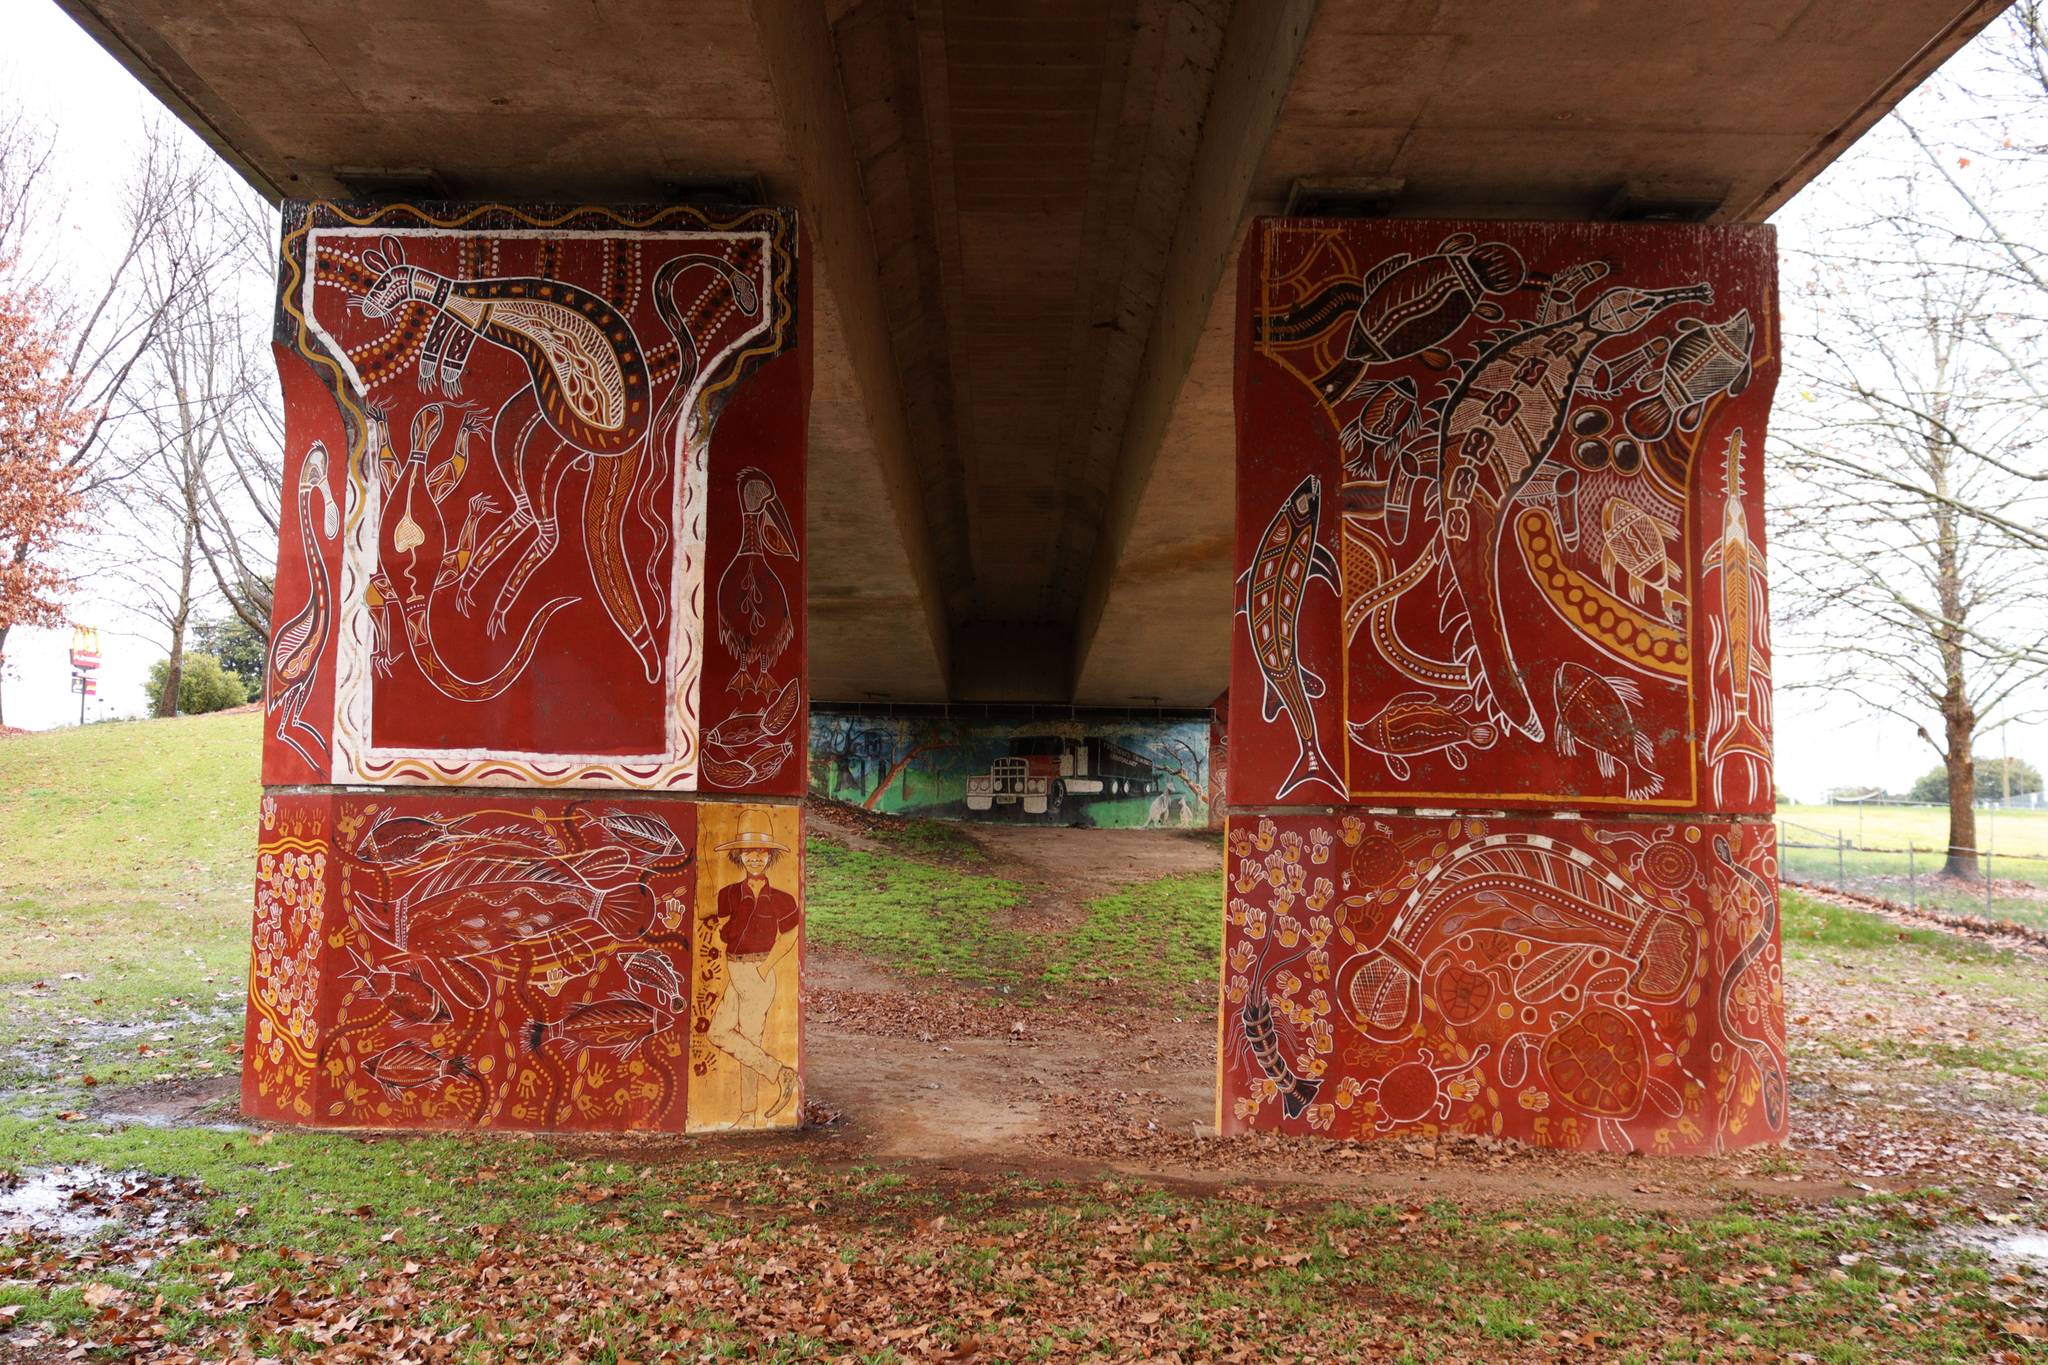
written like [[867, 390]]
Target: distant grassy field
[[2018, 832], [1872, 858], [129, 853]]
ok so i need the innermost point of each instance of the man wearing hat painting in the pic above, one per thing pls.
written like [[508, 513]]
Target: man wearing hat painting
[[758, 924]]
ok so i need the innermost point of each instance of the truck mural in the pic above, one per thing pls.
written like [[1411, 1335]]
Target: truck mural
[[1041, 772], [1109, 770]]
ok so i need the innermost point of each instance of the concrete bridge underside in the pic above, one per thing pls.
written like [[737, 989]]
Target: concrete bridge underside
[[1021, 442]]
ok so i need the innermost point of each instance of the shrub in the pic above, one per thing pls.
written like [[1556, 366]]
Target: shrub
[[203, 686]]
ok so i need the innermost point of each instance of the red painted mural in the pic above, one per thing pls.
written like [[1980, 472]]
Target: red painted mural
[[1499, 516], [1575, 983], [544, 496], [526, 963], [1500, 549], [545, 471]]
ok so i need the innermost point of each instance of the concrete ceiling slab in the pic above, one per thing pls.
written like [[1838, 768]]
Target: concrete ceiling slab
[[1025, 213]]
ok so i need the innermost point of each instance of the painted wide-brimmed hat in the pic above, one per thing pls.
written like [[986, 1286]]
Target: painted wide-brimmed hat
[[755, 832]]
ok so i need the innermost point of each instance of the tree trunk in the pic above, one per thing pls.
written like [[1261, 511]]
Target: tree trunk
[[1962, 810], [167, 705], [4, 631], [1958, 714]]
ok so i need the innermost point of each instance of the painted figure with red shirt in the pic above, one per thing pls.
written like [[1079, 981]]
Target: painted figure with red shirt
[[758, 923]]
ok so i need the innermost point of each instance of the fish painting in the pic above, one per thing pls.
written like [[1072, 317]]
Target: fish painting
[[651, 971], [617, 1023], [403, 990], [1391, 412], [1702, 360], [1416, 723], [1498, 426], [1270, 595], [411, 1066], [744, 731], [1594, 711], [448, 902], [1741, 631]]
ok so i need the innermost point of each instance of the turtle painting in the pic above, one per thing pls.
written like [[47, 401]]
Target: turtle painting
[[1636, 548], [1599, 1063], [1414, 1091]]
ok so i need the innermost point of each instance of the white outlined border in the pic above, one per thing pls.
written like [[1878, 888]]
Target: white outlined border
[[356, 758]]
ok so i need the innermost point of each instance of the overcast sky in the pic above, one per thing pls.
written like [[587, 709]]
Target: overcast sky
[[52, 68]]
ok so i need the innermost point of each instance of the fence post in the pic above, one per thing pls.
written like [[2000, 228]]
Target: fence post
[[1912, 880], [1988, 914], [1841, 863]]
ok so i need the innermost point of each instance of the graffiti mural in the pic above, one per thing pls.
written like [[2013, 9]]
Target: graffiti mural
[[1108, 771], [557, 459], [1499, 534], [1498, 541], [544, 472], [1572, 983]]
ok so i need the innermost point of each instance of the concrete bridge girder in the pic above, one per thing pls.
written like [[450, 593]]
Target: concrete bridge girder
[[1021, 216]]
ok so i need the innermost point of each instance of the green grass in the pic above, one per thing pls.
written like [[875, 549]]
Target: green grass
[[931, 840], [124, 898], [121, 839], [1806, 921], [1166, 933], [1872, 859], [520, 1237], [127, 855], [917, 916]]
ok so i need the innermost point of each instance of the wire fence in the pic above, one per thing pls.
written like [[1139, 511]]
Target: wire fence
[[1986, 881]]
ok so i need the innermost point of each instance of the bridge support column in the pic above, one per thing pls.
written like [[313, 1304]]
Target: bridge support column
[[530, 853], [1499, 858]]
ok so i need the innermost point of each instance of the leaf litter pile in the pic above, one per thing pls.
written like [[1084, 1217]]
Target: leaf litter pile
[[799, 1262]]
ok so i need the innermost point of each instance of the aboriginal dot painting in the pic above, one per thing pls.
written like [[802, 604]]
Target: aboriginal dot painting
[[1500, 549]]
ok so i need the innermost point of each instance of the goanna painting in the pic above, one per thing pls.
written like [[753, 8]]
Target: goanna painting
[[1105, 772], [1500, 516], [422, 961], [544, 482], [1572, 983]]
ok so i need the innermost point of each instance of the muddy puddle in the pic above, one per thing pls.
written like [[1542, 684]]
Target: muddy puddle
[[2022, 1248], [76, 1203]]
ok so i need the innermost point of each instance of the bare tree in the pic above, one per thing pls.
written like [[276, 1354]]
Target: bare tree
[[107, 318], [1913, 526], [1910, 565], [203, 490]]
